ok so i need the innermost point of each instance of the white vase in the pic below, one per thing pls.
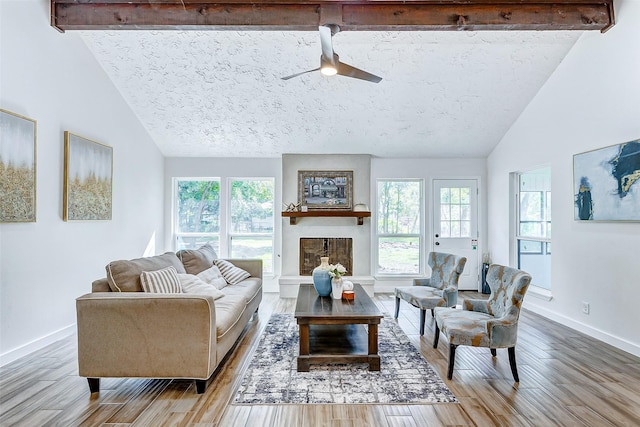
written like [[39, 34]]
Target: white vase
[[336, 287]]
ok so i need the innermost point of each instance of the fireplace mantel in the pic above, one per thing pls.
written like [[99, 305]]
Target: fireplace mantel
[[293, 216]]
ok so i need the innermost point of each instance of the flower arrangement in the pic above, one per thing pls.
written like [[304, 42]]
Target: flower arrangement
[[337, 271]]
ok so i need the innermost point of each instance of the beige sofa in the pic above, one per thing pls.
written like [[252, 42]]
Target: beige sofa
[[126, 332]]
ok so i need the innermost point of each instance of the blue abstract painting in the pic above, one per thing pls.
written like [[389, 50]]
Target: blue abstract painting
[[606, 183]]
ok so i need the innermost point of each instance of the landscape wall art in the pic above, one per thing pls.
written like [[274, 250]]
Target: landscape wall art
[[17, 168]]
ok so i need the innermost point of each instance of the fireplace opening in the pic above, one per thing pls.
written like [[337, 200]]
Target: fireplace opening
[[339, 250]]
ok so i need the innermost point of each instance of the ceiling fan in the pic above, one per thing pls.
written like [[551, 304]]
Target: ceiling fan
[[330, 64]]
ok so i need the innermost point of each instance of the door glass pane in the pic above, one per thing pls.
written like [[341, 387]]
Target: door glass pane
[[399, 255], [455, 228], [455, 212], [464, 196], [465, 212], [445, 229], [198, 206], [455, 195], [444, 213], [445, 196], [465, 228]]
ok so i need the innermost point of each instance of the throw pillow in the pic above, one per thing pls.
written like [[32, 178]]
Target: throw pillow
[[213, 277], [164, 281], [197, 260], [230, 272], [193, 285]]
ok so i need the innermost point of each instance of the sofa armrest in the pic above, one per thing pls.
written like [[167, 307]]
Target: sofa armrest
[[252, 266], [137, 334]]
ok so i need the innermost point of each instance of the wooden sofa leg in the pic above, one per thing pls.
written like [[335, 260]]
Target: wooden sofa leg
[[423, 314], [395, 316], [512, 362], [436, 337], [201, 386], [493, 352], [94, 384], [452, 359]]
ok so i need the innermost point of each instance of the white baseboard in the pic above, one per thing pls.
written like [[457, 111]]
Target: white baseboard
[[30, 347], [606, 337]]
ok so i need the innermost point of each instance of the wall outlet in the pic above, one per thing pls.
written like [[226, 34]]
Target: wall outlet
[[585, 307]]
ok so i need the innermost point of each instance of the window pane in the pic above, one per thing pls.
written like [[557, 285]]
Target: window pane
[[198, 206], [531, 205], [399, 207], [399, 255], [252, 206], [254, 247], [464, 196], [194, 242], [531, 229], [532, 260]]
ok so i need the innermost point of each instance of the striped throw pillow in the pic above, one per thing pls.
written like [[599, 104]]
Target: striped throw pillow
[[230, 272], [164, 281]]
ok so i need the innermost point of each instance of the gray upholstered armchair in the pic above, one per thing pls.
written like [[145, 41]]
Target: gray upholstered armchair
[[440, 290], [491, 323]]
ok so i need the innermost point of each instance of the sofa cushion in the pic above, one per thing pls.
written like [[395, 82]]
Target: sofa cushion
[[194, 285], [230, 272], [229, 311], [124, 276], [213, 277], [197, 260], [163, 281], [248, 288]]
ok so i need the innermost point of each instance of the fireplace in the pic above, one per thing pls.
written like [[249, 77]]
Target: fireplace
[[339, 250]]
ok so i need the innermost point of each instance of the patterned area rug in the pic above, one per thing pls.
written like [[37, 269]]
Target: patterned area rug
[[404, 376]]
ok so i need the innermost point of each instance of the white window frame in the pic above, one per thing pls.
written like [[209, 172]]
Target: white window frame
[[420, 235]]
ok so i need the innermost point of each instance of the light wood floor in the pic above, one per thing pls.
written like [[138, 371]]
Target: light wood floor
[[566, 379]]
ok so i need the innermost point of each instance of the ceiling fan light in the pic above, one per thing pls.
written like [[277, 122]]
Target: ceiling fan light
[[328, 70]]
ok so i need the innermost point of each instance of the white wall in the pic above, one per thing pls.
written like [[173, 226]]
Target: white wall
[[591, 101], [225, 168], [428, 170], [44, 266]]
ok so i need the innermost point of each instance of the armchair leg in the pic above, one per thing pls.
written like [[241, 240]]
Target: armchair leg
[[493, 352], [423, 314], [436, 337], [512, 362], [395, 316], [432, 313], [452, 359], [94, 384]]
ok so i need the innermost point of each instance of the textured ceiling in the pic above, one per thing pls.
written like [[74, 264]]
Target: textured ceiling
[[219, 93]]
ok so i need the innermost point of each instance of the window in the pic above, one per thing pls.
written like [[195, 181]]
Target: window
[[399, 237], [533, 232], [197, 219], [251, 220], [246, 231]]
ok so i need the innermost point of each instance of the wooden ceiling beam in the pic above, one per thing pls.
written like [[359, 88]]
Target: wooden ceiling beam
[[304, 15]]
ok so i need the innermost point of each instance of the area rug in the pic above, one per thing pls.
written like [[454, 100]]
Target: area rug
[[404, 376]]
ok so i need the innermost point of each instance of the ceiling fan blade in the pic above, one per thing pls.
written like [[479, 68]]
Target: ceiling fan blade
[[349, 71], [299, 74], [325, 41]]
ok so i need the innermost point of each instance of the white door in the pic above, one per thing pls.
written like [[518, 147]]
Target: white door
[[455, 224]]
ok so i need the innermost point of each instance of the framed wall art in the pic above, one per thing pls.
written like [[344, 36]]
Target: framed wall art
[[326, 189], [88, 171], [17, 168], [606, 183]]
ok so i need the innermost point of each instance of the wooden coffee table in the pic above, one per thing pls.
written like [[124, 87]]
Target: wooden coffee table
[[332, 331]]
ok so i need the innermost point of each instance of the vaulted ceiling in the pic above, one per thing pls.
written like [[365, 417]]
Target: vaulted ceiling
[[220, 93]]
